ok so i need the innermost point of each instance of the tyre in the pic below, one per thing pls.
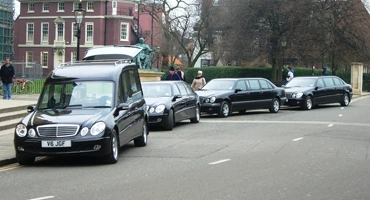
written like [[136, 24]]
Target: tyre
[[345, 100], [143, 139], [307, 104], [196, 119], [275, 106], [224, 110], [170, 121], [25, 160], [114, 149]]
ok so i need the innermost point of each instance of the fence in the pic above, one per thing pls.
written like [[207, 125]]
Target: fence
[[28, 70]]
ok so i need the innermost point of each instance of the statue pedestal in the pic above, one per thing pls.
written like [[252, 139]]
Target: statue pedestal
[[150, 75], [356, 77]]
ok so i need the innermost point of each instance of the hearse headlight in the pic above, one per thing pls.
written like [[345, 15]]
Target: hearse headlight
[[84, 131], [21, 130], [207, 100], [297, 95], [32, 132], [160, 108], [151, 110], [212, 99], [147, 108], [97, 128]]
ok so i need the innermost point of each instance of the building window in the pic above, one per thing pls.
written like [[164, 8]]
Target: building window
[[60, 7], [31, 7], [89, 32], [124, 32], [74, 32], [74, 56], [205, 62], [30, 31], [29, 58], [90, 6], [45, 32], [60, 32], [75, 5], [44, 59], [45, 7]]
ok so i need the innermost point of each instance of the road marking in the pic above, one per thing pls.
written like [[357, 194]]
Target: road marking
[[297, 139], [284, 122], [41, 198], [342, 108], [10, 167], [340, 115], [218, 162], [330, 125]]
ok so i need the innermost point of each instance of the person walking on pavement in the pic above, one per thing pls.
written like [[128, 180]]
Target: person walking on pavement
[[172, 75], [6, 75], [198, 81], [180, 73], [290, 75], [324, 72]]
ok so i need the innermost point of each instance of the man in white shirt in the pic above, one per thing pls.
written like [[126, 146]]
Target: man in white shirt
[[290, 75]]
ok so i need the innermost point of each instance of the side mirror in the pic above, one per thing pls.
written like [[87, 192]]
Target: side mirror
[[177, 96], [122, 106], [30, 109], [238, 90]]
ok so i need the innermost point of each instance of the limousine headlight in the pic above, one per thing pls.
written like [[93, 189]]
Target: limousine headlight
[[21, 130], [297, 95], [212, 99], [160, 108], [32, 132], [97, 128]]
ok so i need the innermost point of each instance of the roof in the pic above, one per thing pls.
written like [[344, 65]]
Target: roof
[[130, 51]]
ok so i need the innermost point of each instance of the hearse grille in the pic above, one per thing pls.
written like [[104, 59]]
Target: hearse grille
[[57, 130]]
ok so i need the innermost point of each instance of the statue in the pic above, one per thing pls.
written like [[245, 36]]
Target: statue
[[144, 58]]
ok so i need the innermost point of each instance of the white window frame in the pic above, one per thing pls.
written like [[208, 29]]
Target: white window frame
[[75, 6], [87, 24], [30, 39], [90, 6], [43, 7], [74, 32], [57, 36], [121, 31], [59, 5], [46, 39], [42, 59], [73, 56], [31, 8], [29, 62]]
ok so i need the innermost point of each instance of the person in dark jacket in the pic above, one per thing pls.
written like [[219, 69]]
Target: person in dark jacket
[[324, 72], [6, 75], [172, 75]]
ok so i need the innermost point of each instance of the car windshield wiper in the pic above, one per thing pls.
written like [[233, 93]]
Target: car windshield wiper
[[74, 105], [97, 106]]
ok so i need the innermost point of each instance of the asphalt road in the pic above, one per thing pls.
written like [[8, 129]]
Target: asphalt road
[[294, 154]]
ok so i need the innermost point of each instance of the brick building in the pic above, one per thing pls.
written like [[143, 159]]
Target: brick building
[[6, 29]]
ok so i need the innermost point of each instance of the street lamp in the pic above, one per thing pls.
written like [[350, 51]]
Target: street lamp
[[283, 44], [79, 17], [158, 50]]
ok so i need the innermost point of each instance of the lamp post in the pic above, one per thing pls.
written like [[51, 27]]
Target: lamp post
[[79, 17], [283, 44], [158, 51]]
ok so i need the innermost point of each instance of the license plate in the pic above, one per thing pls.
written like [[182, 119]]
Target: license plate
[[56, 143]]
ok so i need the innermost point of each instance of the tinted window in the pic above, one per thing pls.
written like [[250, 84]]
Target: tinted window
[[254, 85], [265, 84], [135, 85], [320, 83], [188, 88], [337, 81], [175, 89], [328, 82], [241, 85], [182, 89]]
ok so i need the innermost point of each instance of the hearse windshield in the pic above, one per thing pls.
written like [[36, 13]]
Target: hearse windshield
[[94, 94], [219, 85]]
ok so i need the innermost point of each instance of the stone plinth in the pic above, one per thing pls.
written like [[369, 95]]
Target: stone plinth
[[357, 70], [150, 75]]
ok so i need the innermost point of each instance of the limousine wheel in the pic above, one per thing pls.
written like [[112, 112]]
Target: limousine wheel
[[307, 104], [142, 140], [170, 121], [275, 106], [345, 101], [224, 110], [25, 160], [113, 155], [196, 119]]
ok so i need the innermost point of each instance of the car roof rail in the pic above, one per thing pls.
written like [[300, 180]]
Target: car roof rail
[[113, 62]]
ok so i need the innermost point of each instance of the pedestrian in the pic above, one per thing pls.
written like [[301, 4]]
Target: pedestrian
[[180, 73], [198, 81], [290, 75], [6, 75], [323, 71], [172, 75]]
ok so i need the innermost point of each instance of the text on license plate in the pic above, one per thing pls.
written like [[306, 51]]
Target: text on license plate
[[56, 143]]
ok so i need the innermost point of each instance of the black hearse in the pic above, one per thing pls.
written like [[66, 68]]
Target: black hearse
[[85, 108]]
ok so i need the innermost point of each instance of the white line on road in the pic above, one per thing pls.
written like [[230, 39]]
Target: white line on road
[[284, 122], [340, 115], [41, 198], [218, 162], [297, 139], [330, 125], [342, 108]]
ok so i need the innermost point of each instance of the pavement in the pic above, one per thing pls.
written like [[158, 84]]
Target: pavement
[[7, 153]]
